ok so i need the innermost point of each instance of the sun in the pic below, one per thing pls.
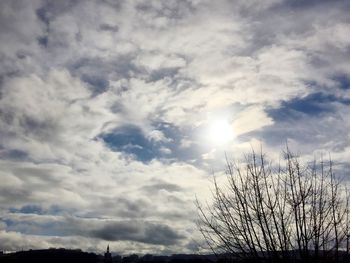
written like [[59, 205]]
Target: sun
[[220, 132]]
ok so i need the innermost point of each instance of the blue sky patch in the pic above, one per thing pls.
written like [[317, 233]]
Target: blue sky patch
[[314, 104], [343, 81], [132, 141], [98, 84], [37, 209], [28, 209]]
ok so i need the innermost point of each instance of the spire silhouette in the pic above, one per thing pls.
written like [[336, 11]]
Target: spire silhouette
[[108, 256]]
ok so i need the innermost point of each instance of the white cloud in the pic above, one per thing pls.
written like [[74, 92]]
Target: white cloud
[[160, 61], [251, 119], [165, 150], [157, 136]]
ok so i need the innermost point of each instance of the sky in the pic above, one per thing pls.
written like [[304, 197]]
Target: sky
[[115, 114]]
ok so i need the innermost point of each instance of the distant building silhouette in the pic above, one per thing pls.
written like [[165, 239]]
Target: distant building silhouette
[[108, 256], [131, 259], [117, 259]]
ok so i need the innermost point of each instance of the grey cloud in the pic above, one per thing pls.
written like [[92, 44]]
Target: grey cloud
[[19, 47], [40, 128], [99, 72], [14, 195], [127, 207], [117, 4], [51, 8], [107, 27], [171, 9], [163, 73], [162, 186], [13, 154], [26, 183], [312, 3], [138, 231], [146, 202], [110, 230]]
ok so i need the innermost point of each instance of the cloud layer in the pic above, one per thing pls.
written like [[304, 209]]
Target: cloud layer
[[104, 107]]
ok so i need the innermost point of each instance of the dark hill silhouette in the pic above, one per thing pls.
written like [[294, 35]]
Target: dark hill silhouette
[[76, 256], [49, 256]]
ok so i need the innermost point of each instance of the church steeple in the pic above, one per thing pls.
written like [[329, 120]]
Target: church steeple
[[108, 256]]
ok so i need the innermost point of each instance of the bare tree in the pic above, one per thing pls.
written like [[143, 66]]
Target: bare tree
[[283, 213]]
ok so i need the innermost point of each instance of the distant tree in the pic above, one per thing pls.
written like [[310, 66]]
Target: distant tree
[[283, 213]]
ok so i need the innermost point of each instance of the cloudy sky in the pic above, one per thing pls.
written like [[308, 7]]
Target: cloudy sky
[[115, 113]]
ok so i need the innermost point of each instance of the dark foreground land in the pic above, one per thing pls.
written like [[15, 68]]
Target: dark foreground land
[[49, 255], [74, 256]]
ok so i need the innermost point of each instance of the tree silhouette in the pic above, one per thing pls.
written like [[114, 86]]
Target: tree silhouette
[[283, 213]]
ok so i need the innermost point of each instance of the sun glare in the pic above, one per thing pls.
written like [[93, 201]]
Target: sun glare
[[220, 132]]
